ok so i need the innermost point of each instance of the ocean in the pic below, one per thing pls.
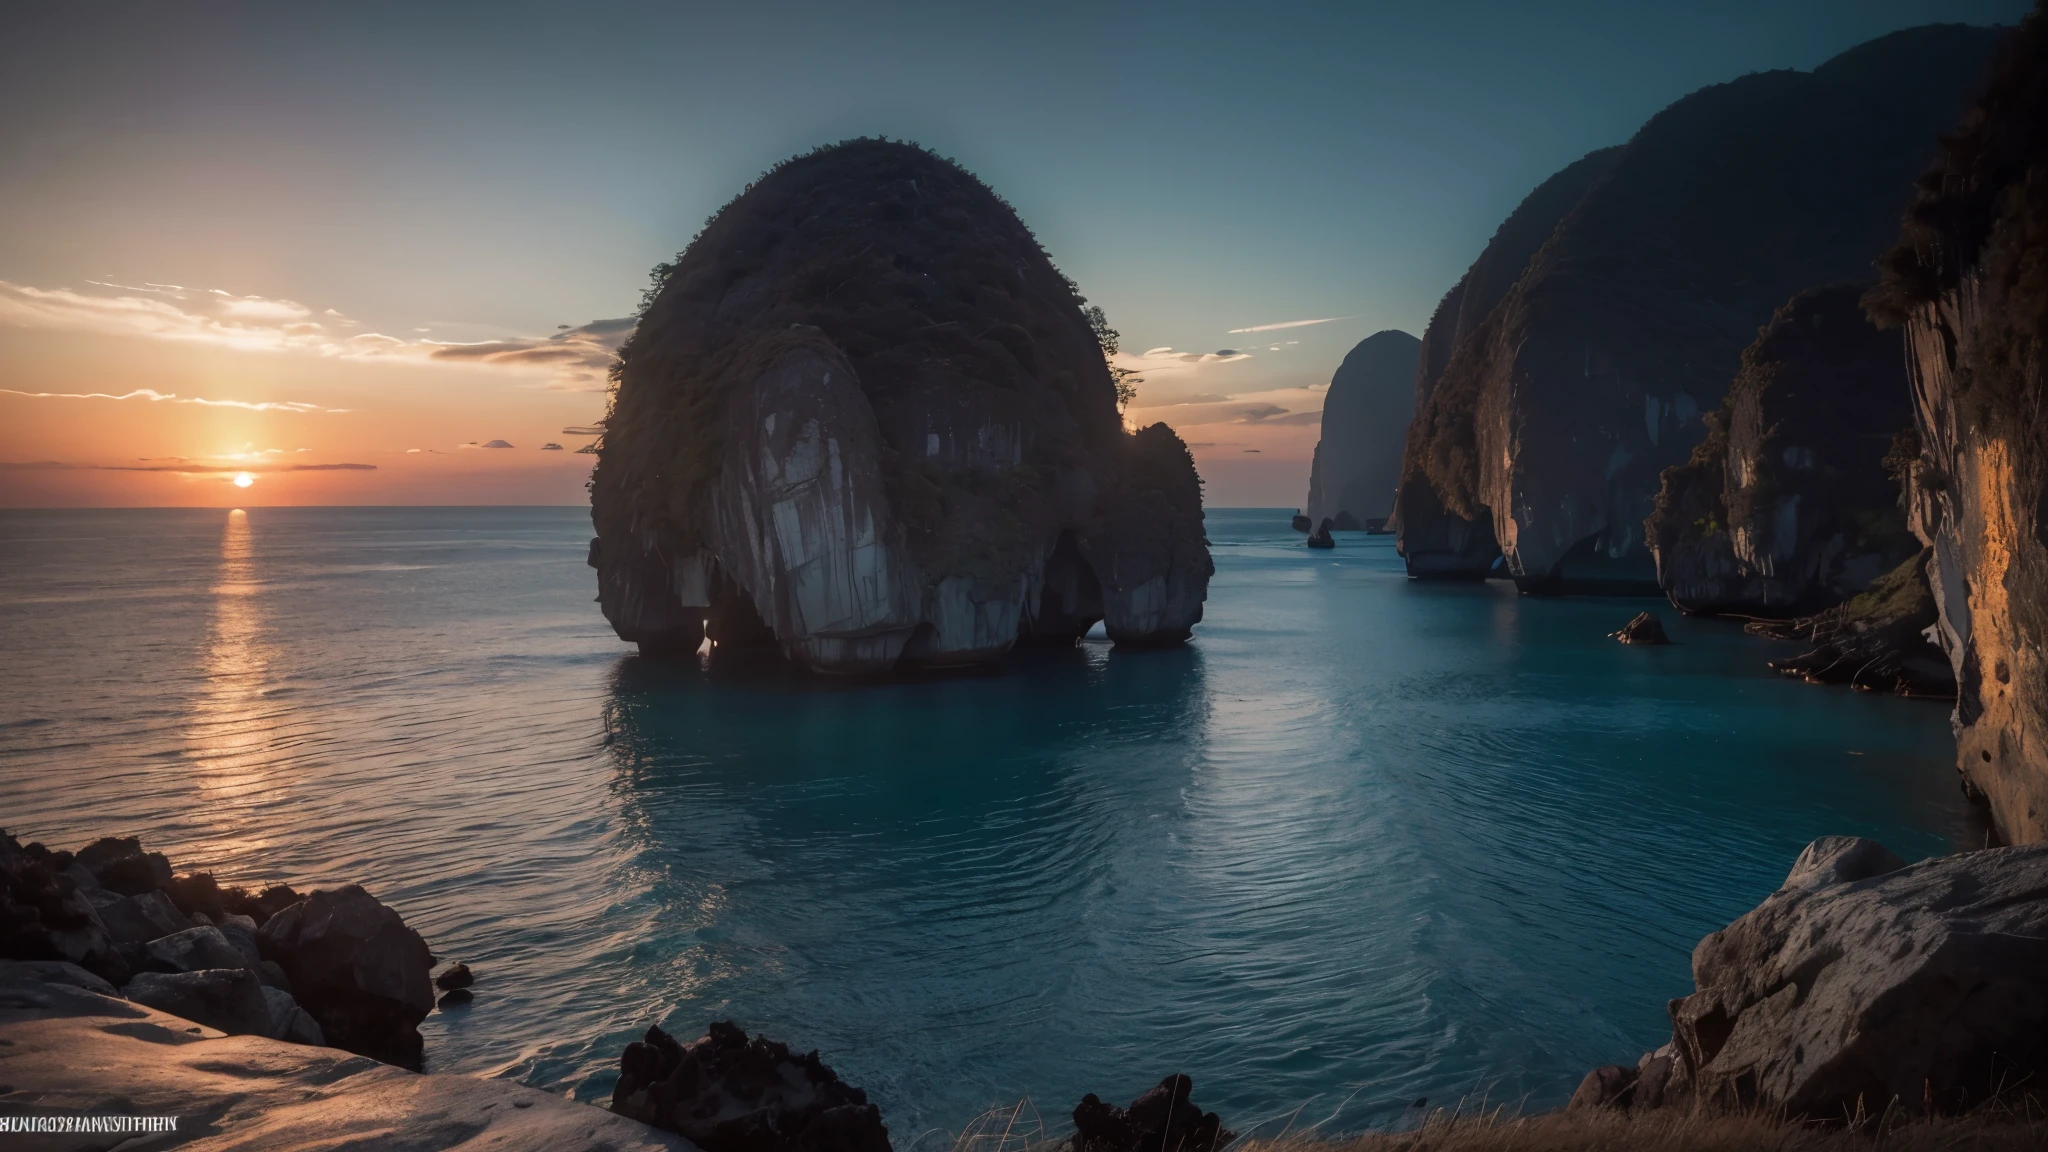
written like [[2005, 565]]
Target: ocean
[[1363, 841]]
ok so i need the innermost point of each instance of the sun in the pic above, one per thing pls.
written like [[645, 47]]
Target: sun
[[244, 479]]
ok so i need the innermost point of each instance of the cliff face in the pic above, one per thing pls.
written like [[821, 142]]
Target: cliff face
[[1365, 421], [1969, 279], [1435, 542], [1787, 506], [866, 422], [1559, 413]]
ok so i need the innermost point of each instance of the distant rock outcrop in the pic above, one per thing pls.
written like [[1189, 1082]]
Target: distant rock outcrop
[[1365, 421], [1861, 986], [1787, 505], [1557, 414], [1969, 280], [1164, 1117], [728, 1092], [1876, 641], [865, 421], [1436, 542]]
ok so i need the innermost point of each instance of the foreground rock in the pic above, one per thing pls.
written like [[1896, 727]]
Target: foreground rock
[[1876, 642], [1969, 284], [1863, 984], [1321, 538], [865, 422], [1788, 505], [72, 1052], [729, 1093], [358, 970], [1365, 421], [1164, 1118], [1556, 415]]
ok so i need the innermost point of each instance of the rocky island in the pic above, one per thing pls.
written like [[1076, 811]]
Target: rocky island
[[1357, 461], [865, 423]]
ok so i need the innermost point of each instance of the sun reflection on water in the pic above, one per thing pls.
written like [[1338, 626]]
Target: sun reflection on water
[[232, 724]]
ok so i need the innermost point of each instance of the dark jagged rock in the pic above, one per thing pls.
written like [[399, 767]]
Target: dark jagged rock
[[229, 999], [1164, 1119], [1608, 1086], [1645, 628], [1437, 543], [1558, 412], [120, 865], [44, 916], [455, 976], [1865, 984], [1791, 503], [1876, 641], [357, 969], [1365, 421], [1969, 281], [727, 1093], [857, 419], [1302, 523], [1321, 537]]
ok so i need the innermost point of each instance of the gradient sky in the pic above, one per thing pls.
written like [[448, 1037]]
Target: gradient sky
[[269, 238]]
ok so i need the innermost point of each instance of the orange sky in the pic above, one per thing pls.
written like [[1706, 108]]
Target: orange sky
[[155, 394]]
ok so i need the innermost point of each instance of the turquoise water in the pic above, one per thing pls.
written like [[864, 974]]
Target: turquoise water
[[1365, 840]]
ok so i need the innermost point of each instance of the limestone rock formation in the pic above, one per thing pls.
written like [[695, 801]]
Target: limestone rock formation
[[1787, 506], [1164, 1117], [1557, 414], [1861, 984], [74, 1052], [358, 970], [1642, 628], [728, 1093], [1969, 280], [1365, 422], [865, 422], [1435, 542]]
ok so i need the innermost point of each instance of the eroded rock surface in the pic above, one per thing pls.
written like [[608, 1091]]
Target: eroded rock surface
[[1790, 504], [1969, 281], [865, 423], [1864, 983], [72, 1052], [1558, 413], [1357, 462], [728, 1093], [1876, 641]]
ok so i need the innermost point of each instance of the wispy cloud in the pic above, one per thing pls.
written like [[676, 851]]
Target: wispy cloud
[[1288, 324], [155, 396], [576, 357]]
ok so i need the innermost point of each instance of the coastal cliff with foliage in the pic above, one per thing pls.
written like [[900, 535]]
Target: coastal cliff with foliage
[[1556, 415], [865, 422], [1365, 420], [1968, 282], [1791, 503], [1434, 541]]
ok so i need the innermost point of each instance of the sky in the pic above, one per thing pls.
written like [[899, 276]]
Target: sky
[[380, 253]]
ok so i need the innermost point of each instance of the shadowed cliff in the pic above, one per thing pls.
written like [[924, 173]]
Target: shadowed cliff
[[1555, 415], [1969, 281], [866, 422], [1365, 421]]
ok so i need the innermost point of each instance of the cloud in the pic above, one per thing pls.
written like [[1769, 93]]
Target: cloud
[[578, 358], [589, 430], [1288, 324], [184, 467], [155, 396], [1297, 418]]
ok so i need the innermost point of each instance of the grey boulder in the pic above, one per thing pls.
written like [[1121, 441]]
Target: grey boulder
[[357, 969], [53, 972], [228, 999], [1864, 981], [289, 1022], [193, 950], [135, 919]]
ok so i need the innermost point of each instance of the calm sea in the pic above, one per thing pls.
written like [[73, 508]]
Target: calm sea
[[1363, 841]]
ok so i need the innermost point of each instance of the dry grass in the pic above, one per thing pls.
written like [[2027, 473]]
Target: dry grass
[[1991, 1129]]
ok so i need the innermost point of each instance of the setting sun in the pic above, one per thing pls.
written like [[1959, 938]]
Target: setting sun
[[244, 479]]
